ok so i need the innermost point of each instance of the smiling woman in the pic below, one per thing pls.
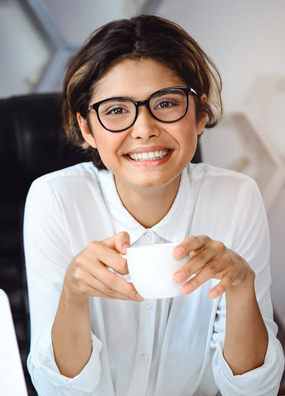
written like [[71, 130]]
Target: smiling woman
[[136, 97]]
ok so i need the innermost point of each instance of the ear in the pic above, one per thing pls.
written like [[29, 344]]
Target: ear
[[202, 117], [86, 133]]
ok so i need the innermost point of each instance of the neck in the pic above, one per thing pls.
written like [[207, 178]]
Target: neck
[[148, 205]]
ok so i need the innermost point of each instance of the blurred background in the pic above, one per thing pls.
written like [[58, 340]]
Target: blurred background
[[244, 38]]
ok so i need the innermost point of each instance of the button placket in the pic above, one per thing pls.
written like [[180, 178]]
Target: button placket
[[146, 332]]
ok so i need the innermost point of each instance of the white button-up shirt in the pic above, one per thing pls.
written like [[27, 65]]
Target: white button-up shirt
[[168, 347]]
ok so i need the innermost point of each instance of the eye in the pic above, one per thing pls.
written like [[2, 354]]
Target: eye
[[165, 104], [115, 108], [113, 111], [168, 100], [116, 111]]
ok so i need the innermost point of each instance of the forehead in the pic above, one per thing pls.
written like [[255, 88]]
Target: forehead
[[136, 79]]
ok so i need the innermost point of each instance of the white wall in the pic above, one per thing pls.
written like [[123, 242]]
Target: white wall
[[23, 52]]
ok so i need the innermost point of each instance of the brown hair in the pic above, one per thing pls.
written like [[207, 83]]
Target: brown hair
[[143, 36]]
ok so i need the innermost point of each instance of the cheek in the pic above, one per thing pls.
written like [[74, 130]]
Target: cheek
[[187, 131], [107, 143]]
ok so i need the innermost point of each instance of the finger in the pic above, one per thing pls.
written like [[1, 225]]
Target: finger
[[119, 242], [190, 244], [99, 281], [221, 287], [209, 271], [98, 289], [111, 285], [107, 256], [195, 264]]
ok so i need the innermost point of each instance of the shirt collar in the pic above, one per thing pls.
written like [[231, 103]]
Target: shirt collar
[[172, 227]]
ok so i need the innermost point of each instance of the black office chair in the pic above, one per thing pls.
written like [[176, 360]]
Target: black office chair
[[32, 143]]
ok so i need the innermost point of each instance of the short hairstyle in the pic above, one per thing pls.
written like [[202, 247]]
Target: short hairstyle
[[140, 37]]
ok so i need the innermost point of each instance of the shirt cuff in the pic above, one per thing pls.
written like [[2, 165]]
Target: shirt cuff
[[42, 365], [262, 381]]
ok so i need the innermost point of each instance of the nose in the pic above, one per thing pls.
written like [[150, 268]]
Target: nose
[[145, 126]]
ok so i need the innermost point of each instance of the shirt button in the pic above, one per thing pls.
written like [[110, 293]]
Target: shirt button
[[149, 237], [144, 358], [148, 305]]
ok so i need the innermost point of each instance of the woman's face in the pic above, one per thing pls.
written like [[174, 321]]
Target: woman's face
[[176, 141]]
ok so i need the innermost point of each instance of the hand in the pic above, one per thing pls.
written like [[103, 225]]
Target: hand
[[88, 274], [210, 259]]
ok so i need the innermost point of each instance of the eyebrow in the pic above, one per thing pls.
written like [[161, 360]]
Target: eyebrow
[[174, 91], [158, 93]]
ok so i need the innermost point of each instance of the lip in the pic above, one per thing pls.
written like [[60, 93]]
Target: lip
[[148, 163]]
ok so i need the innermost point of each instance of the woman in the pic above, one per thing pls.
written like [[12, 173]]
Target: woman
[[137, 96]]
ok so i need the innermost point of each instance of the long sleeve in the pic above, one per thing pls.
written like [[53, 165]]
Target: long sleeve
[[252, 243], [48, 253]]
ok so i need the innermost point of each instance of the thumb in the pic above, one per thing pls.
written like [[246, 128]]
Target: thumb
[[119, 242]]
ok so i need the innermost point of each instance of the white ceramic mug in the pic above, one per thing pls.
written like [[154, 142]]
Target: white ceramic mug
[[151, 269]]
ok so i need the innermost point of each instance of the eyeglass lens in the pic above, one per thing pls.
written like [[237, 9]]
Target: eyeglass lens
[[165, 105]]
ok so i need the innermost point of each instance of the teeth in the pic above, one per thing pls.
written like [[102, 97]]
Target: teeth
[[150, 156]]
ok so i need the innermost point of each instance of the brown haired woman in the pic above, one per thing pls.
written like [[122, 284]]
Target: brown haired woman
[[137, 96]]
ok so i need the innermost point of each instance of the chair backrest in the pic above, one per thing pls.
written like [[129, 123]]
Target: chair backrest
[[32, 142]]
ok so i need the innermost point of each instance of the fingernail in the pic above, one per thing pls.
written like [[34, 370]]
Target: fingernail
[[187, 289], [125, 247], [213, 293], [180, 250], [180, 277], [139, 297]]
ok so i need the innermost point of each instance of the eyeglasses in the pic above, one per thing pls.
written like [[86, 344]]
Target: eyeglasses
[[166, 105]]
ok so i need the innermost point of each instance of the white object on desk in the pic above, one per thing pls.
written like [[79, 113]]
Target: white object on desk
[[12, 380]]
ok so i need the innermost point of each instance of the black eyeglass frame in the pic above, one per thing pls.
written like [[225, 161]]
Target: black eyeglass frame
[[145, 102]]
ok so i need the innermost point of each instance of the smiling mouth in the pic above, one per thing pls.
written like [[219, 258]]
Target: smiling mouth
[[148, 156]]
